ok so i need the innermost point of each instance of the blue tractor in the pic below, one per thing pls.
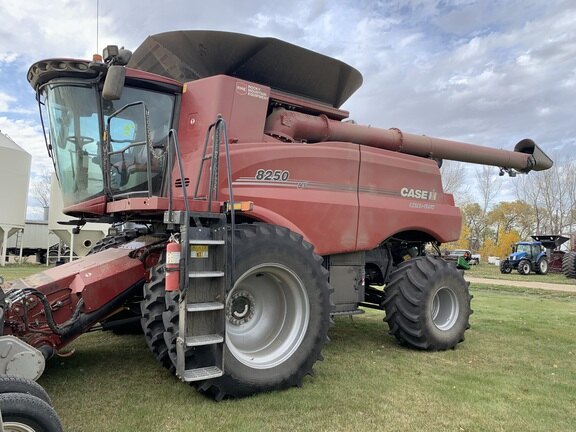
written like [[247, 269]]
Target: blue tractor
[[526, 257]]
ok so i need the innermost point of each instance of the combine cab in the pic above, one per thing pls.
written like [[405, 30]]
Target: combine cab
[[257, 213]]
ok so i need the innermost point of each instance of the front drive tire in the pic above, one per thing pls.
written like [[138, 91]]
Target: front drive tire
[[427, 304], [152, 308], [505, 267], [277, 314], [24, 412]]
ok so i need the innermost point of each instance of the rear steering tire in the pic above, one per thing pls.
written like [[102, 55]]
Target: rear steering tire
[[569, 264], [427, 304], [542, 266]]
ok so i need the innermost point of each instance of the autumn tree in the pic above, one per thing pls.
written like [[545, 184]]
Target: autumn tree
[[516, 215], [475, 219], [552, 197]]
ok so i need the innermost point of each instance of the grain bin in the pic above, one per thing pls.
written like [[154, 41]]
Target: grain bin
[[79, 243], [14, 180]]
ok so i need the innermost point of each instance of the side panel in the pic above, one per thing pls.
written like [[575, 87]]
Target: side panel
[[241, 104], [313, 186], [399, 192], [347, 279]]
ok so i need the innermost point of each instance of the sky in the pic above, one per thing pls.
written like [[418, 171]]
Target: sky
[[487, 72]]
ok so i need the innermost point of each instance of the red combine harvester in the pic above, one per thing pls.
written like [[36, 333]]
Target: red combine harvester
[[248, 212]]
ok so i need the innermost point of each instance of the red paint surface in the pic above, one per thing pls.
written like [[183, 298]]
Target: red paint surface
[[97, 279]]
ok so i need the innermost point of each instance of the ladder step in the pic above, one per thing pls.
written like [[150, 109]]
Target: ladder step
[[206, 242], [211, 339], [203, 307], [205, 274], [202, 374]]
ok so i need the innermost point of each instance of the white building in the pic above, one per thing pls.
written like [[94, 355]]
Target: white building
[[14, 180]]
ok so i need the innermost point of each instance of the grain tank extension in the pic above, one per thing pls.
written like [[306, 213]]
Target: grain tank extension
[[246, 212]]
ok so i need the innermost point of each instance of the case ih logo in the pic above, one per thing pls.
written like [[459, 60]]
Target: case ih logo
[[418, 193]]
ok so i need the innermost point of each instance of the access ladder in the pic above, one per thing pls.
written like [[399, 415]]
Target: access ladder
[[203, 282]]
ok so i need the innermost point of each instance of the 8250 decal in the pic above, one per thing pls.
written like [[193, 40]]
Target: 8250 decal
[[272, 175]]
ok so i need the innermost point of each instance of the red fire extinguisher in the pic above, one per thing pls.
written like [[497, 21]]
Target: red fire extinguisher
[[172, 265]]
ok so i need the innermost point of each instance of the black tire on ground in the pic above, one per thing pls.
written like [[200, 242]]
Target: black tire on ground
[[542, 266], [505, 267], [15, 384], [427, 304], [24, 412], [524, 267], [569, 264], [152, 308], [278, 314]]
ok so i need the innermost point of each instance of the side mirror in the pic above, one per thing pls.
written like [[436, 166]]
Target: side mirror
[[114, 83]]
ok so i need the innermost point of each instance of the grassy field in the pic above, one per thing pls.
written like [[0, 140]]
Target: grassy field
[[493, 272], [515, 371], [13, 271]]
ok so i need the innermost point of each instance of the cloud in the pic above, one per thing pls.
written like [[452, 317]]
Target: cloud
[[495, 84], [8, 57], [5, 101], [487, 72], [28, 135]]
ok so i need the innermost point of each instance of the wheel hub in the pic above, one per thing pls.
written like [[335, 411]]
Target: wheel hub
[[445, 309], [267, 314], [240, 308], [16, 427]]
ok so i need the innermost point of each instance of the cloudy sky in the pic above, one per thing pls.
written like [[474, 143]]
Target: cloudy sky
[[488, 72]]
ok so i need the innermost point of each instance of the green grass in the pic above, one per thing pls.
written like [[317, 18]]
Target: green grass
[[14, 271], [515, 371], [493, 272]]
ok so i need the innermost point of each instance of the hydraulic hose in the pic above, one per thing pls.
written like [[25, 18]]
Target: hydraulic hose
[[61, 329]]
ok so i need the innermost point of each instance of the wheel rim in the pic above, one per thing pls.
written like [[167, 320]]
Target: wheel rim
[[526, 268], [267, 314], [445, 308], [543, 266], [17, 427]]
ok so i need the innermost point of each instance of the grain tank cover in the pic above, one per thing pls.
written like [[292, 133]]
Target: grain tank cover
[[190, 55]]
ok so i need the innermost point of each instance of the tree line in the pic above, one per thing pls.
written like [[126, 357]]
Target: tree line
[[499, 211]]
